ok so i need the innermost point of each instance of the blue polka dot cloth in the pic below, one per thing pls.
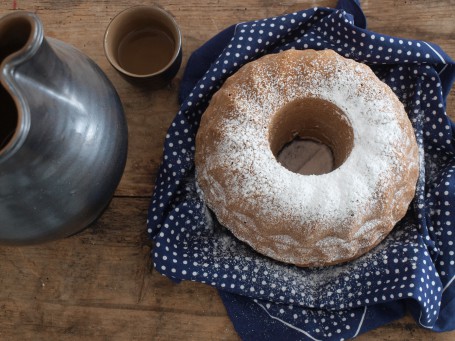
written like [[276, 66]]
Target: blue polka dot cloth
[[411, 270]]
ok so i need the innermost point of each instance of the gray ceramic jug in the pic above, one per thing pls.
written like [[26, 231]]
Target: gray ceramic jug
[[63, 135]]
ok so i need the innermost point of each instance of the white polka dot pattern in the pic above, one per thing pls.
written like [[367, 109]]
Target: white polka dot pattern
[[413, 267]]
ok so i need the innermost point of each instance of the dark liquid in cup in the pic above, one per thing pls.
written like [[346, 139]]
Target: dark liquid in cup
[[145, 51]]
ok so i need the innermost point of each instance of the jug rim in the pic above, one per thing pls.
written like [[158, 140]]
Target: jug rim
[[7, 69]]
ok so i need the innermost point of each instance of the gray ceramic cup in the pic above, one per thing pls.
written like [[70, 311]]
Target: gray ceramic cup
[[144, 44]]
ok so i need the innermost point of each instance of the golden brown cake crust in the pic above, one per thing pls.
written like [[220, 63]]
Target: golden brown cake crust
[[307, 220]]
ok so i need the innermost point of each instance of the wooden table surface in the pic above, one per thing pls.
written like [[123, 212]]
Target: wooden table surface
[[98, 284]]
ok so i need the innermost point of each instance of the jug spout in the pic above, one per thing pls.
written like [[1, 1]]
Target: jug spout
[[20, 36]]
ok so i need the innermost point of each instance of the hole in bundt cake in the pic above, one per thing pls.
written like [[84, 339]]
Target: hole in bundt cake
[[306, 156], [311, 136]]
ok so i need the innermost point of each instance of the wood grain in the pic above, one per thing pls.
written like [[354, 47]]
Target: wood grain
[[98, 284]]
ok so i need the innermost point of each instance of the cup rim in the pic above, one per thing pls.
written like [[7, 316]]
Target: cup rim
[[178, 43]]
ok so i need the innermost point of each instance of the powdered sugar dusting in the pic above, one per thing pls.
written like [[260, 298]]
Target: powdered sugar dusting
[[331, 206]]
